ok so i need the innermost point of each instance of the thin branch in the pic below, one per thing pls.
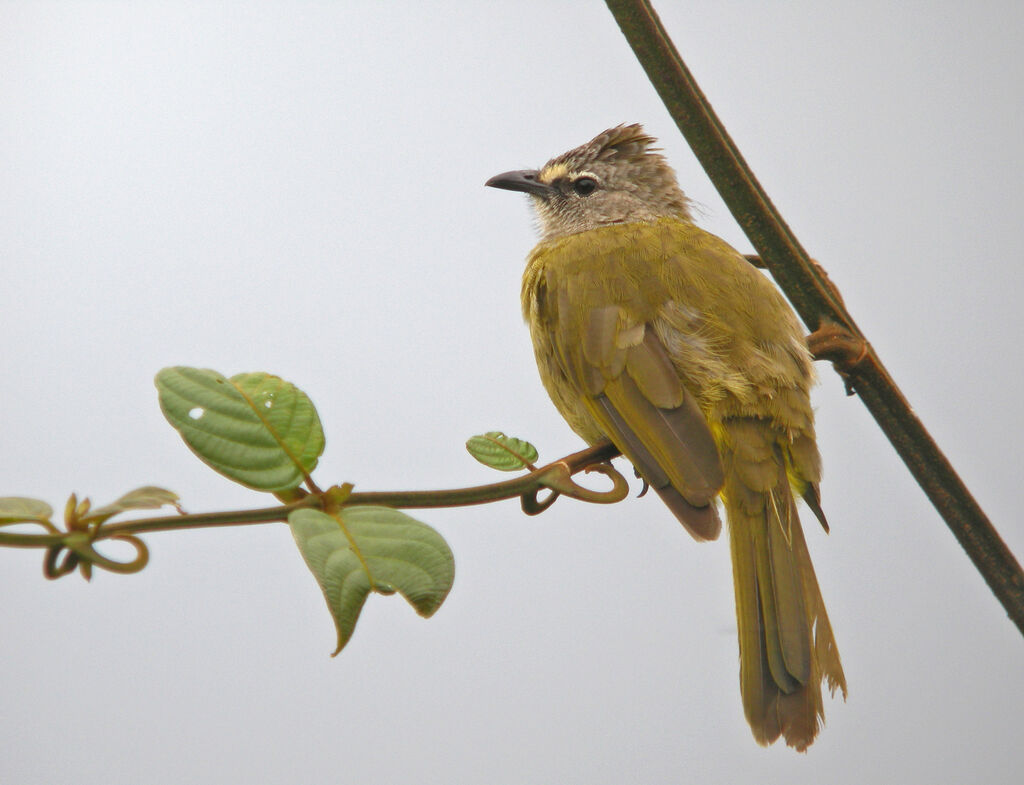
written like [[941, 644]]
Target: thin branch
[[816, 301], [556, 476], [481, 494]]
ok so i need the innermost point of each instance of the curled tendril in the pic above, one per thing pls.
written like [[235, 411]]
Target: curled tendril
[[533, 506], [559, 479], [77, 551], [59, 562]]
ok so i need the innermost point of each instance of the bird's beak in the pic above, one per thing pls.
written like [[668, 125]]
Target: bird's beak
[[525, 180]]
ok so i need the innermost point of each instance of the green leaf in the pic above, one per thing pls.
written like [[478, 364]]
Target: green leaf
[[255, 428], [505, 453], [19, 509], [149, 497], [379, 549]]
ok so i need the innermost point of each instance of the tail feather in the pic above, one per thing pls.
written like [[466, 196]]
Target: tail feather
[[780, 591], [786, 644]]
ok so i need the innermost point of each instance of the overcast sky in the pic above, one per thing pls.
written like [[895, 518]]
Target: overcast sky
[[298, 188]]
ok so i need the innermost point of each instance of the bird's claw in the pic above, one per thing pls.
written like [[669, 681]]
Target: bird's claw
[[846, 351]]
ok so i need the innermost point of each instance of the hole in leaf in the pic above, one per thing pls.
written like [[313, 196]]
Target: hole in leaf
[[196, 413]]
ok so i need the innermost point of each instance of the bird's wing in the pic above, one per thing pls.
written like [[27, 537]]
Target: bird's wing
[[623, 373]]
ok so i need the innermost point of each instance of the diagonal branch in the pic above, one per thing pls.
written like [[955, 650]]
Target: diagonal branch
[[814, 299]]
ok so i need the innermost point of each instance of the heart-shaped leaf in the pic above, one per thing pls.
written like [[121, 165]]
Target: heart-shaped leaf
[[255, 428], [367, 548]]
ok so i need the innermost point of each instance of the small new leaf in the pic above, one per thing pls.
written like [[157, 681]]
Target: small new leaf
[[255, 428], [20, 509], [378, 549], [505, 453], [149, 497]]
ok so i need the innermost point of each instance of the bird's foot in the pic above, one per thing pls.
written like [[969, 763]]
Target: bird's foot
[[844, 350], [646, 487]]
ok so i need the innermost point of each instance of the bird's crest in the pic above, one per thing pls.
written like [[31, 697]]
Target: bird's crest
[[622, 143]]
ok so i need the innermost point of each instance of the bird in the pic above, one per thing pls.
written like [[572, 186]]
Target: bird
[[658, 336]]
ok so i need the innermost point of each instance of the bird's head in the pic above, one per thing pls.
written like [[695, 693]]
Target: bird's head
[[616, 177]]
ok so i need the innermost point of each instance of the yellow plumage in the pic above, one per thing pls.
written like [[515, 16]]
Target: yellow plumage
[[659, 336]]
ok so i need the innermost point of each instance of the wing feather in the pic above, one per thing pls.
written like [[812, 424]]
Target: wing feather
[[633, 391]]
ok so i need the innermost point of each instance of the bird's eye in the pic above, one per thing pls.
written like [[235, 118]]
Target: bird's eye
[[584, 186]]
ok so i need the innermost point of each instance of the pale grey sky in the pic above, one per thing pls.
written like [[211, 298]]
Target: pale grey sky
[[298, 188]]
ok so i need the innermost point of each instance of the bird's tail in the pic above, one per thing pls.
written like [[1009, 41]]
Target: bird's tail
[[786, 643]]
